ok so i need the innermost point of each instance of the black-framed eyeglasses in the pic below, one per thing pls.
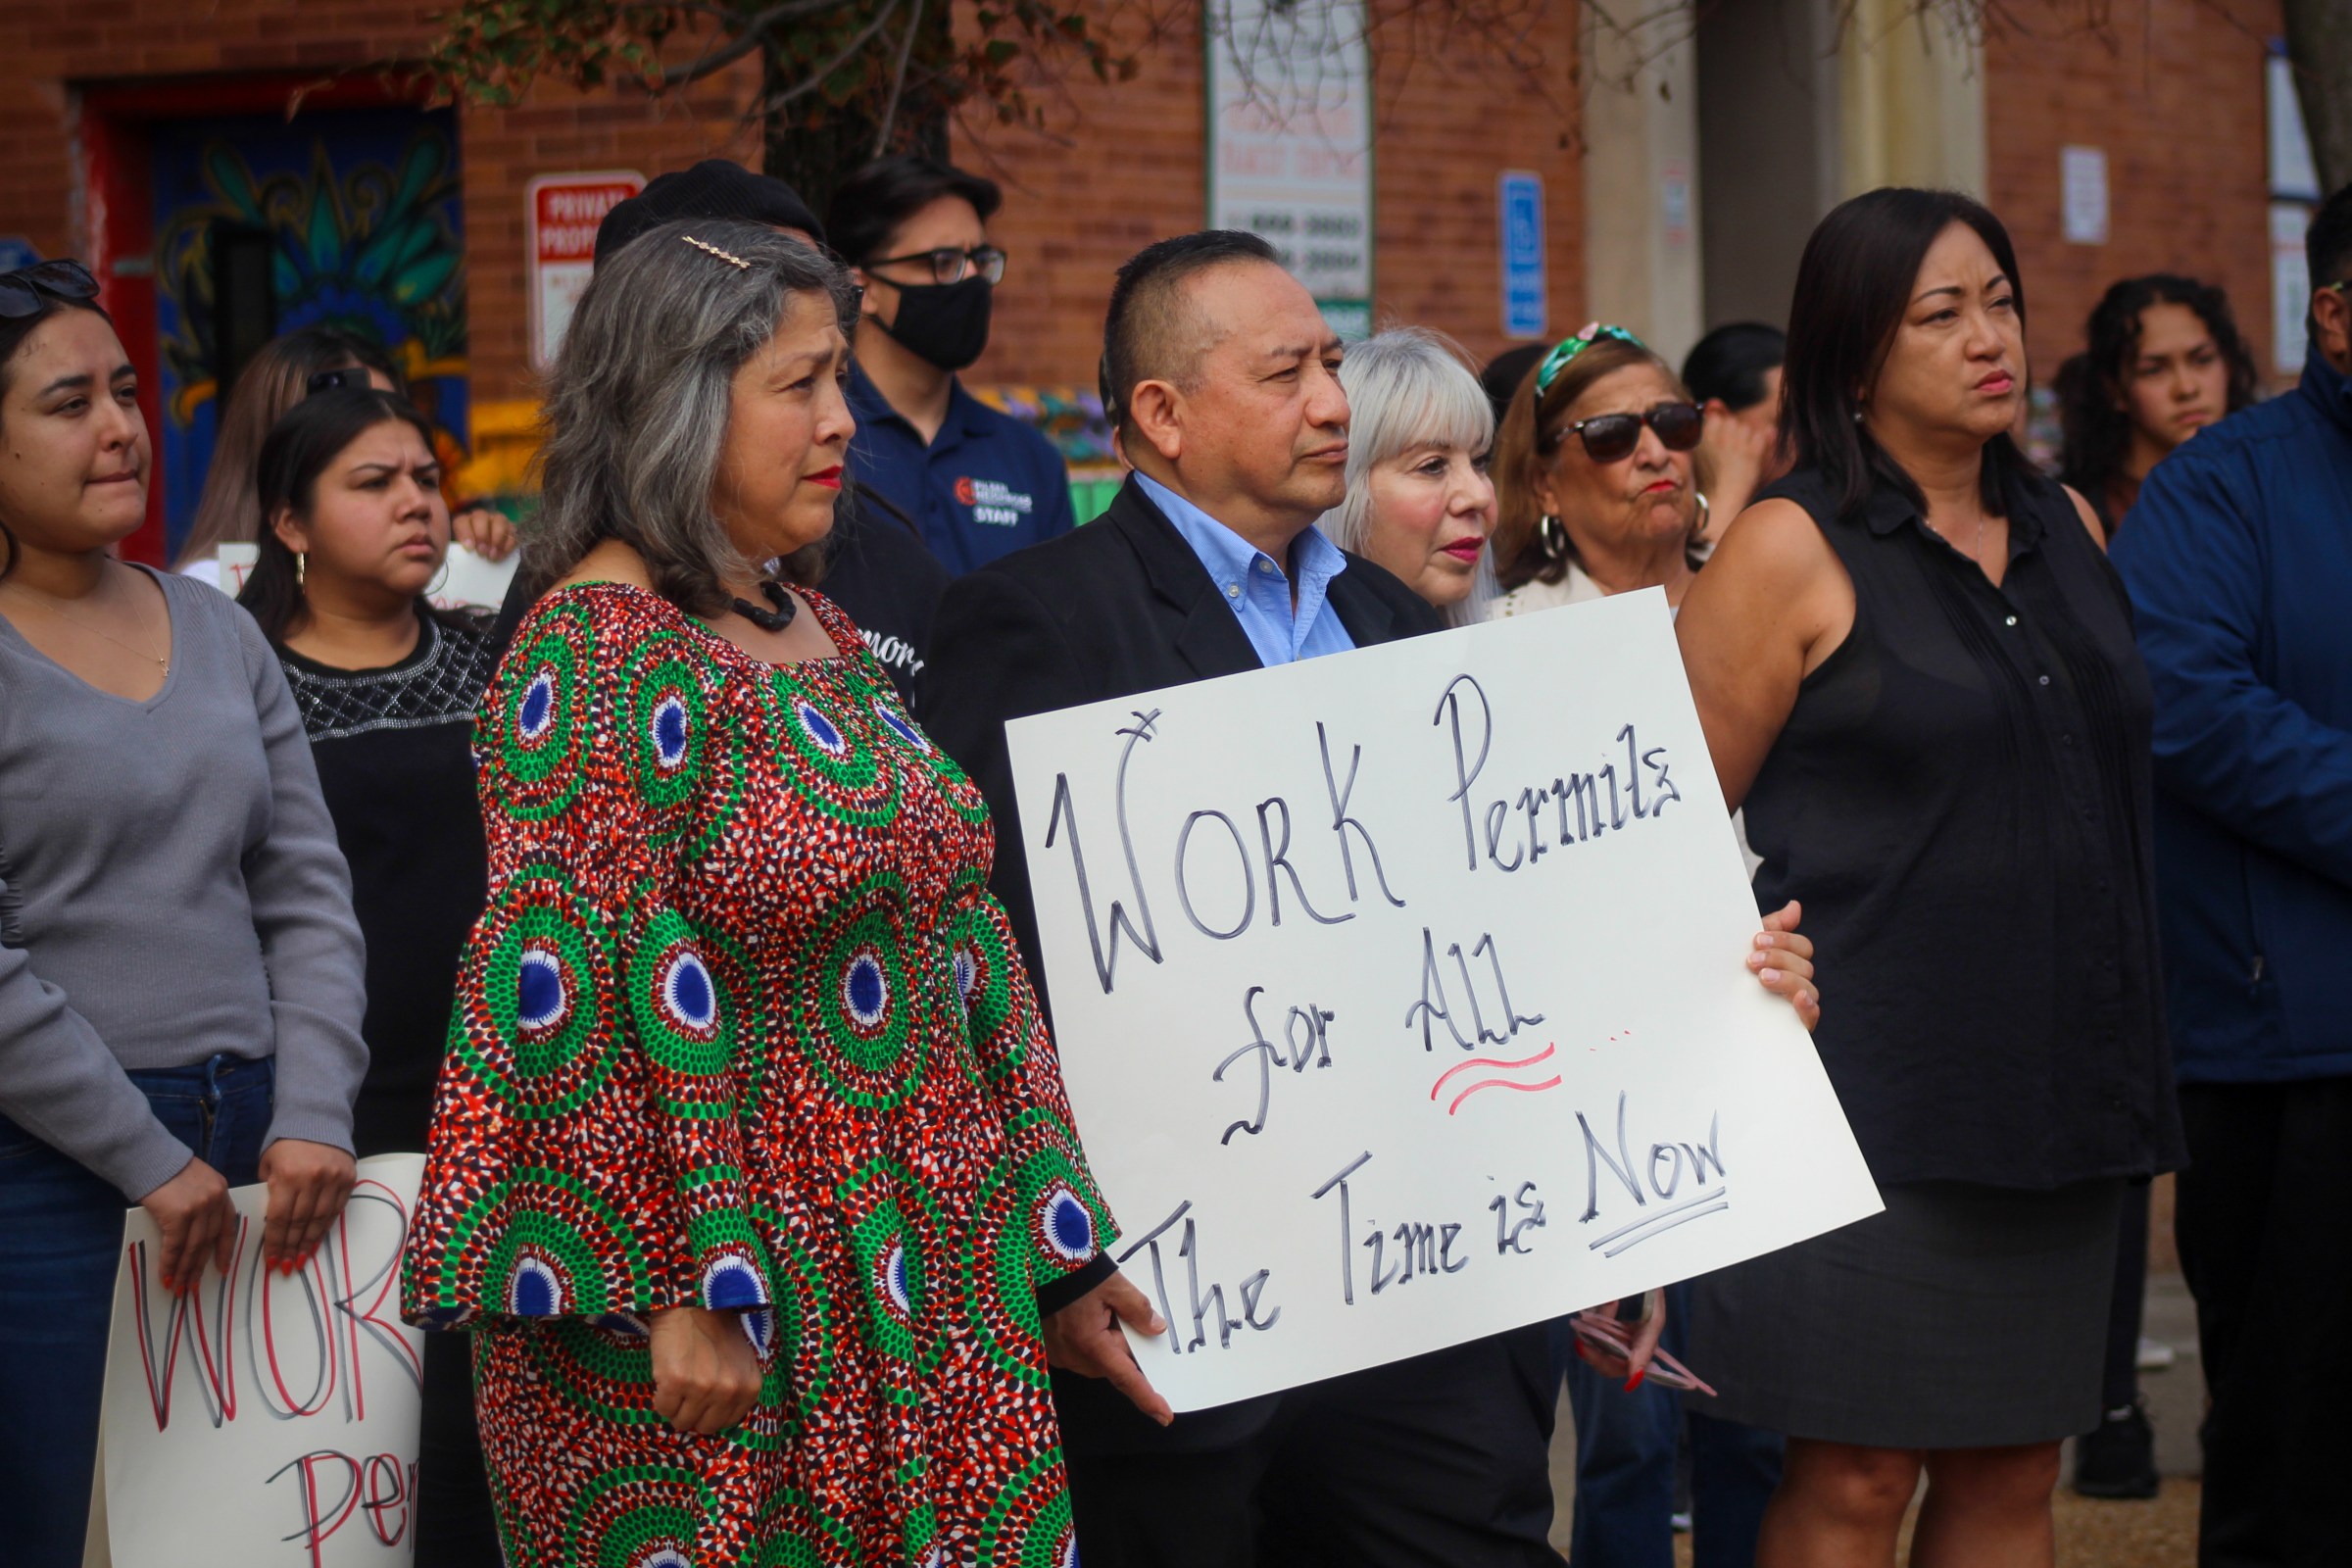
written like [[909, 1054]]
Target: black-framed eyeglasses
[[20, 291], [1613, 437], [948, 265]]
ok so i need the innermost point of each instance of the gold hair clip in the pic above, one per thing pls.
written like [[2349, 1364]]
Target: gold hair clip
[[729, 257]]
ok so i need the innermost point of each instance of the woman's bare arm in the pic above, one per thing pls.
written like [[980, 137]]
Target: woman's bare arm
[[1772, 604], [2090, 518]]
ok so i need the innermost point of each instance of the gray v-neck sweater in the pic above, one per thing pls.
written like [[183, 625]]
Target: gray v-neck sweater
[[170, 890]]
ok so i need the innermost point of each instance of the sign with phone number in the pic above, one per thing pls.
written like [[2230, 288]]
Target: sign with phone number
[[1290, 143]]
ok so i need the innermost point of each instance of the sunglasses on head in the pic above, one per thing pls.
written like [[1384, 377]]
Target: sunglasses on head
[[20, 291], [1568, 348], [1613, 437], [353, 378]]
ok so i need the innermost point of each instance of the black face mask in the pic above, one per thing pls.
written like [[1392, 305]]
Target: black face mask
[[943, 323]]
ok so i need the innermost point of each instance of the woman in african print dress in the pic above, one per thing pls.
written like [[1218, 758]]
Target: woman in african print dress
[[751, 1153]]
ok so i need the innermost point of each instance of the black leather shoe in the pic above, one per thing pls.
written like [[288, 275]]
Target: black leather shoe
[[2117, 1459]]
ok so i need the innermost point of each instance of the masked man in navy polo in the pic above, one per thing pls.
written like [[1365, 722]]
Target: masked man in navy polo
[[980, 483]]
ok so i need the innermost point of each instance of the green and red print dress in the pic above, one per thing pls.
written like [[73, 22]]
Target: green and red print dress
[[741, 1027]]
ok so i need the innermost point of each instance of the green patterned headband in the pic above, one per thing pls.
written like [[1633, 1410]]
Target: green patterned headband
[[1569, 348]]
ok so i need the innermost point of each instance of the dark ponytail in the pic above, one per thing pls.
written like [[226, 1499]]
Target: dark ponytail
[[311, 434]]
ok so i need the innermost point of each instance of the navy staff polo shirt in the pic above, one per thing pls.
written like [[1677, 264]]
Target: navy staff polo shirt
[[989, 484]]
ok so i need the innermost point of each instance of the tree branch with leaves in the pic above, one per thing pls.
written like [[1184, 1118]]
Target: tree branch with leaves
[[844, 81], [840, 81]]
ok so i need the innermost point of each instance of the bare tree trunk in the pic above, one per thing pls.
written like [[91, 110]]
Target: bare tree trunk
[[2319, 43], [813, 159]]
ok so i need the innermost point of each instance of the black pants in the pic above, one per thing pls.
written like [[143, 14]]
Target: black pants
[[456, 1526], [2265, 1224], [2120, 1385], [1442, 1460]]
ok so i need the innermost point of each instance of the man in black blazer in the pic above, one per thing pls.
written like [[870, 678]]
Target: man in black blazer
[[1219, 376]]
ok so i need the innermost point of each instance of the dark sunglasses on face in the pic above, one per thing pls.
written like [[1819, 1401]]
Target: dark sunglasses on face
[[20, 291], [1613, 437], [950, 265]]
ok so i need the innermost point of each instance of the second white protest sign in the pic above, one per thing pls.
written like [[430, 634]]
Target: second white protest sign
[[1400, 997], [264, 1418]]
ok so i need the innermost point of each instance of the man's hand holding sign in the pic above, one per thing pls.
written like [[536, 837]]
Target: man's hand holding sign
[[1396, 1001]]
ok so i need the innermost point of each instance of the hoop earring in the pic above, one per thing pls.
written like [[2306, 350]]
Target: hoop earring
[[1551, 537], [1706, 514], [302, 561]]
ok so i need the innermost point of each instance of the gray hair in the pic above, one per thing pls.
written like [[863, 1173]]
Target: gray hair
[[638, 404], [1407, 387]]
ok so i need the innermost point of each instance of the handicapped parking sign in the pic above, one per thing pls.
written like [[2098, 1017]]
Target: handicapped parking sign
[[1521, 200]]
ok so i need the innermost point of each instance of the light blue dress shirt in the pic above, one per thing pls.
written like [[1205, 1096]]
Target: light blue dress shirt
[[1255, 586]]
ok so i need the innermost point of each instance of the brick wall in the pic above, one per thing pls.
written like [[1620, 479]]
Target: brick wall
[[2173, 89], [1118, 166], [554, 130], [53, 46], [1450, 120]]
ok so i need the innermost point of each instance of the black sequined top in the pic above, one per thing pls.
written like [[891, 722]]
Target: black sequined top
[[394, 748]]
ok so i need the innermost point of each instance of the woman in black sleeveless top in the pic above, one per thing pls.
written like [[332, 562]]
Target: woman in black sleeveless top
[[1917, 671]]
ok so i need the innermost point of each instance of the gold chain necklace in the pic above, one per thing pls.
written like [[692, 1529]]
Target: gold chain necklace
[[162, 662]]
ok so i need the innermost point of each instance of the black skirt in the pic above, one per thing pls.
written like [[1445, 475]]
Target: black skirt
[[1962, 1317]]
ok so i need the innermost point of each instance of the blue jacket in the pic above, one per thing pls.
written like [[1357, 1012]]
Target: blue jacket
[[2238, 558]]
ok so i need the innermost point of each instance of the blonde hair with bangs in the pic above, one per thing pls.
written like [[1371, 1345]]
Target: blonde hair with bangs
[[1407, 387]]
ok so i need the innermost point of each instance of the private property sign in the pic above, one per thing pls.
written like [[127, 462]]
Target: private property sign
[[561, 213]]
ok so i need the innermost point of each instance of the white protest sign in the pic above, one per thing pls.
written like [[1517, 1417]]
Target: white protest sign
[[236, 560], [1402, 1000], [466, 579], [471, 580], [264, 1418]]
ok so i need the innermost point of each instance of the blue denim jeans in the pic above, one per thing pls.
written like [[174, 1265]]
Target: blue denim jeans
[[1625, 1466], [61, 1233]]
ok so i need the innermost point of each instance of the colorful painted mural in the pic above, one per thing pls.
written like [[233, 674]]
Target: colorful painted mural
[[362, 213]]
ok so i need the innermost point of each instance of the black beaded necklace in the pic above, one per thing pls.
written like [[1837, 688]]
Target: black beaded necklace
[[776, 619]]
